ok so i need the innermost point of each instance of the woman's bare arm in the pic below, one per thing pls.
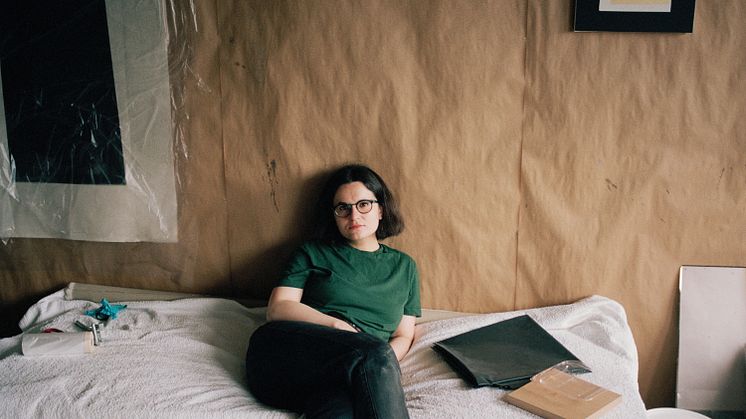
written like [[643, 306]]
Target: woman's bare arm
[[402, 338], [284, 304]]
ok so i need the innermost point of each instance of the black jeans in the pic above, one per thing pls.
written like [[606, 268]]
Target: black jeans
[[324, 372]]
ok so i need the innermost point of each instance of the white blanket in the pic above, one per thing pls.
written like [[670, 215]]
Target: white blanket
[[185, 358], [594, 329]]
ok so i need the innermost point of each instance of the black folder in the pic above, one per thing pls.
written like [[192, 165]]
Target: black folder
[[505, 354]]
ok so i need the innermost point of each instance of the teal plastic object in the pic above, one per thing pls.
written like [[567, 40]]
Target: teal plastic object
[[106, 311]]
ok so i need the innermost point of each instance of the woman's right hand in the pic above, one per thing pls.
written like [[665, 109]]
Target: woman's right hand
[[343, 325], [284, 304]]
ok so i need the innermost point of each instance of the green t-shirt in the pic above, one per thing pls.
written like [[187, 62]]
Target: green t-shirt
[[371, 289]]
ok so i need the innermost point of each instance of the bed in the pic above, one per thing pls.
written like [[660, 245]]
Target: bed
[[168, 356]]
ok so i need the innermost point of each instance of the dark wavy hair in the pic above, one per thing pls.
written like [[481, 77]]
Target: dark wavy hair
[[325, 228]]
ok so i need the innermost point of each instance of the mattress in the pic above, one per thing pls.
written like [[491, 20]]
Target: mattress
[[184, 357]]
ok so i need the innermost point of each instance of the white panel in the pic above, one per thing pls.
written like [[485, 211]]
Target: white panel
[[712, 335]]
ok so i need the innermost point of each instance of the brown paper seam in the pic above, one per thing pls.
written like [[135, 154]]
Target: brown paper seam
[[224, 165], [520, 157]]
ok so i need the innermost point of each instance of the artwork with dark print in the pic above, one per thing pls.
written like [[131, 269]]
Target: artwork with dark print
[[630, 16], [59, 93]]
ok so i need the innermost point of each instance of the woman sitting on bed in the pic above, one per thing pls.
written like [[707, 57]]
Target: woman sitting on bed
[[344, 311]]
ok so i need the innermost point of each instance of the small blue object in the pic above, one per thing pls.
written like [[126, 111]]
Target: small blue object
[[106, 311]]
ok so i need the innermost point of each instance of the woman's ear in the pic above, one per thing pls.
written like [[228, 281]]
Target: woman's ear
[[380, 212]]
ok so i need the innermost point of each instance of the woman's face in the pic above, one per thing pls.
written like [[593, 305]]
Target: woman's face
[[359, 229]]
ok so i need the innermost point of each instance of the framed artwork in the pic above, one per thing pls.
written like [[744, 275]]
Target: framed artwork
[[86, 142], [634, 16]]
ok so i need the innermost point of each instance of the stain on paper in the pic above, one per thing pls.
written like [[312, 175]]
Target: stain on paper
[[610, 185], [272, 177]]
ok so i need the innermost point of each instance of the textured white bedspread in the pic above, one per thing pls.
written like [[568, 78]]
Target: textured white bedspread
[[185, 358], [594, 329]]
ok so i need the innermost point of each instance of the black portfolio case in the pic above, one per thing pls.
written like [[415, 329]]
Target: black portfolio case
[[505, 354]]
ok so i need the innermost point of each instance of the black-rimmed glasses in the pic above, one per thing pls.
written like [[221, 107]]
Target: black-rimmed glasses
[[363, 206]]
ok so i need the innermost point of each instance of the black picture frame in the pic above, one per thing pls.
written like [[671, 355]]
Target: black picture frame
[[588, 18]]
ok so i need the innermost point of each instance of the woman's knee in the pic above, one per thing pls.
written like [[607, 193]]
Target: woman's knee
[[378, 354]]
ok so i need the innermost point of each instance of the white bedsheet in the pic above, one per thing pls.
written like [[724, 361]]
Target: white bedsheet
[[594, 329], [185, 358]]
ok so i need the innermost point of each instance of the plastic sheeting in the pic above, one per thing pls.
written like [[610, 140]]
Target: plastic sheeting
[[86, 153]]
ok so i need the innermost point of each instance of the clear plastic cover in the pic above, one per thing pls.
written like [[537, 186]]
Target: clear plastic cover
[[560, 379], [88, 139]]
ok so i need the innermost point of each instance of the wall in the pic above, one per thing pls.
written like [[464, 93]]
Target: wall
[[535, 165]]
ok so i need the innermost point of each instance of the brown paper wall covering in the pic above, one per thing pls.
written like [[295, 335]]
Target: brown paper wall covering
[[534, 165]]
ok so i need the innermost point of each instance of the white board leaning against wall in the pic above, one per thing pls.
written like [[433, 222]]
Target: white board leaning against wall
[[140, 204], [712, 339]]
